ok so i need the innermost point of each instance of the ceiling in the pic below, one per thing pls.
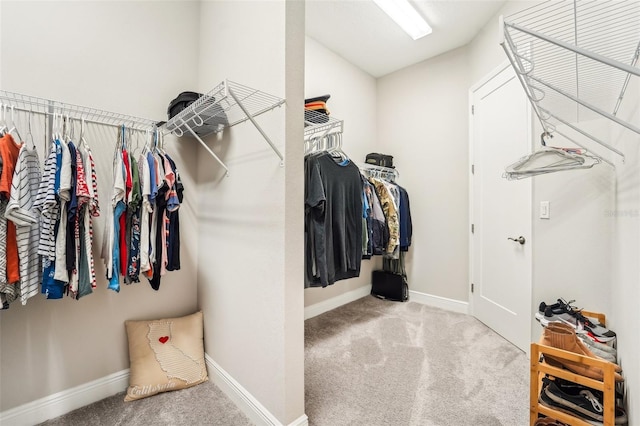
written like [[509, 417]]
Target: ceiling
[[364, 35]]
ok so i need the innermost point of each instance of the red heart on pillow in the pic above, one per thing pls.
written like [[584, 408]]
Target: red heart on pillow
[[164, 339]]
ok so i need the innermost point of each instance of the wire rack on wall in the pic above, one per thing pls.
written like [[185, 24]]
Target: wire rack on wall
[[575, 60], [386, 173], [226, 105], [319, 125], [33, 104]]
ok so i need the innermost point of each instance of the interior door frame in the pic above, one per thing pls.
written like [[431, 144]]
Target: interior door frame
[[472, 196]]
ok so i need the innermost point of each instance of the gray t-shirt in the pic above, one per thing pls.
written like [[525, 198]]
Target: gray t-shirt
[[333, 220]]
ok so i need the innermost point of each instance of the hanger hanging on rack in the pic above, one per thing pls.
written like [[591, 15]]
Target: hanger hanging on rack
[[14, 128], [3, 119], [82, 142], [29, 134], [549, 160], [379, 172]]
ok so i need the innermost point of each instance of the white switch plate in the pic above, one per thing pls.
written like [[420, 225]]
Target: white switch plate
[[545, 210]]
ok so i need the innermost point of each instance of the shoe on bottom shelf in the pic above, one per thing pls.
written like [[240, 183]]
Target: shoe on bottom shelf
[[577, 400]]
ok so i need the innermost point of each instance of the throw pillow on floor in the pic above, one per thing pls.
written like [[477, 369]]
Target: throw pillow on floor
[[165, 355]]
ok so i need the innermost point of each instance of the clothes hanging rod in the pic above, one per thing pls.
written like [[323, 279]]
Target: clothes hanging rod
[[48, 107], [372, 169]]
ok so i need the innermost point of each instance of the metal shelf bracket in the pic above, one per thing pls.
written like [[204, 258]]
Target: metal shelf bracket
[[224, 106]]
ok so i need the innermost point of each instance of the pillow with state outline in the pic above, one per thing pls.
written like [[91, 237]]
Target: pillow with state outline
[[165, 355]]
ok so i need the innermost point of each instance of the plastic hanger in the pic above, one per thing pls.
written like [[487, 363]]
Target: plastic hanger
[[71, 124], [548, 160], [56, 126], [82, 143], [3, 119], [29, 134]]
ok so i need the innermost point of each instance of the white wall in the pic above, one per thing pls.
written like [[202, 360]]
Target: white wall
[[62, 51], [590, 247], [353, 99], [422, 121], [625, 291], [250, 286], [572, 255]]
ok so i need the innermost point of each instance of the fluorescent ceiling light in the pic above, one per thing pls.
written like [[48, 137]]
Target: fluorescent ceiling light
[[406, 17]]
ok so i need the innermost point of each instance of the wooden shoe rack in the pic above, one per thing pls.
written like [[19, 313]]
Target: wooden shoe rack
[[539, 369]]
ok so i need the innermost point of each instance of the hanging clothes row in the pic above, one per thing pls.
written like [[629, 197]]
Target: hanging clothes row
[[46, 217], [46, 212], [388, 215], [142, 230], [388, 219], [349, 216], [333, 218]]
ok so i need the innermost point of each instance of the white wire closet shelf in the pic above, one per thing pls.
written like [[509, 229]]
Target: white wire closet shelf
[[49, 107], [228, 104], [575, 61], [319, 125], [386, 173]]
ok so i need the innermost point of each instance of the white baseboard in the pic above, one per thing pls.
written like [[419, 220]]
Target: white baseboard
[[335, 302], [303, 420], [60, 403], [246, 402], [63, 402], [439, 302]]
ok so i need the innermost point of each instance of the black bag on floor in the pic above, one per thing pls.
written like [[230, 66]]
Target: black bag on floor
[[390, 286], [378, 159]]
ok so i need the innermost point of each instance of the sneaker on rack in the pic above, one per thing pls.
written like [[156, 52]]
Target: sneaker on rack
[[577, 400], [543, 306], [600, 331], [565, 313], [595, 348], [599, 339], [601, 346], [556, 313]]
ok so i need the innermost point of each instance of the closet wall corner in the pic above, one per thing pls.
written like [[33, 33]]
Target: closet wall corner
[[89, 77], [245, 285]]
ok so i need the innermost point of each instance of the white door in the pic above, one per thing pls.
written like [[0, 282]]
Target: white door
[[500, 133]]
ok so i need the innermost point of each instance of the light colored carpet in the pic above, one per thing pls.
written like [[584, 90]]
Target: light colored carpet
[[374, 362], [204, 404]]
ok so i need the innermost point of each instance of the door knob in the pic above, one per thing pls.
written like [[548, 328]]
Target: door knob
[[520, 239]]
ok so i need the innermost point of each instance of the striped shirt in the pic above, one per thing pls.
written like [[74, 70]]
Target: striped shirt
[[20, 210], [47, 205]]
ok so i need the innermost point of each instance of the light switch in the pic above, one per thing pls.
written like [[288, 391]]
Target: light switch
[[545, 210]]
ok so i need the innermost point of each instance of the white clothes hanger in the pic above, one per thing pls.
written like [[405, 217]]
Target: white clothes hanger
[[549, 160], [82, 143], [29, 134], [3, 119]]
